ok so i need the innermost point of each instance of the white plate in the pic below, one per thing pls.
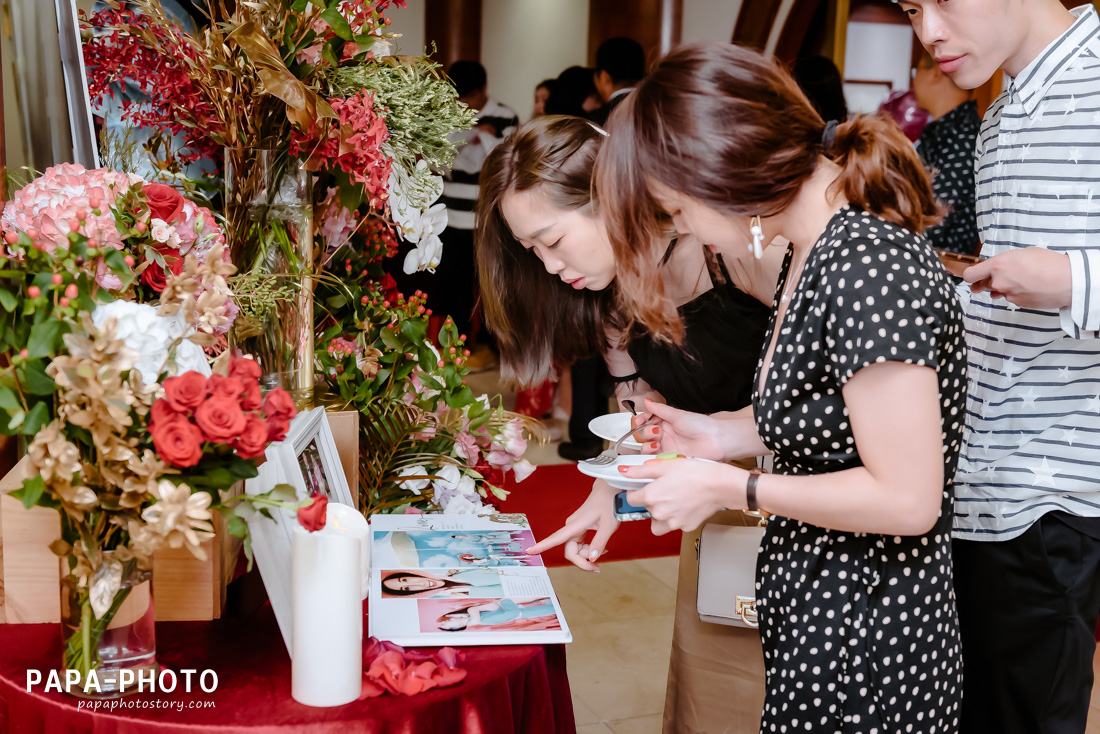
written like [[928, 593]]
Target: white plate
[[610, 472], [612, 426]]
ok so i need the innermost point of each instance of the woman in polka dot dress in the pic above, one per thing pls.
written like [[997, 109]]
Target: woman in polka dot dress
[[860, 388]]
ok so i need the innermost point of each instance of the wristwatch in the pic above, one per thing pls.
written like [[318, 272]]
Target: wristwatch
[[750, 491]]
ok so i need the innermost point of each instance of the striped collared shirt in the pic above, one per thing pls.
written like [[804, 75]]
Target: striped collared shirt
[[1032, 442], [460, 184]]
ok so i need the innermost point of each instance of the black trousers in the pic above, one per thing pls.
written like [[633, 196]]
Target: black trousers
[[1028, 610], [590, 396]]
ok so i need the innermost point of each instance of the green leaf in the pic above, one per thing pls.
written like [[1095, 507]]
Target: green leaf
[[38, 417], [7, 300], [390, 339], [337, 22], [9, 400], [45, 339], [31, 492], [462, 398], [328, 53], [16, 419], [116, 261], [283, 493], [351, 193], [35, 380], [237, 527]]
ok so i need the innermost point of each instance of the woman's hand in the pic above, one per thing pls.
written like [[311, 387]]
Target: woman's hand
[[598, 514], [691, 434], [685, 493]]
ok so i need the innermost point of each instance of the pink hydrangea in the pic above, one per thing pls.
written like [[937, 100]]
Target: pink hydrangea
[[51, 203]]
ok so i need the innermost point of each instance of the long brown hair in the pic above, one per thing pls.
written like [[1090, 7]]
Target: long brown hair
[[537, 318], [726, 126]]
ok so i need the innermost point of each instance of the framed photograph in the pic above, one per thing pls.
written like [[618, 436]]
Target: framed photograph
[[308, 461]]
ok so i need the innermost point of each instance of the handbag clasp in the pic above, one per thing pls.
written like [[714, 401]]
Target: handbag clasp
[[745, 607]]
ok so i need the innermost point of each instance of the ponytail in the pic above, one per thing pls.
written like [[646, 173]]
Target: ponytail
[[882, 173], [730, 128]]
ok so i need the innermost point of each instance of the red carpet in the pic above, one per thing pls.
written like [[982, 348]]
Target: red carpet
[[554, 492]]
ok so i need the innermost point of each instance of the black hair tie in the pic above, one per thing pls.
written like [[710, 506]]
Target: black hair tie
[[828, 136]]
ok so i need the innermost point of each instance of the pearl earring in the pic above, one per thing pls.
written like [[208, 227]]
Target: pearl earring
[[757, 246]]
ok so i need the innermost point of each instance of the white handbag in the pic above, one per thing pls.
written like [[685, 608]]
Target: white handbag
[[727, 556]]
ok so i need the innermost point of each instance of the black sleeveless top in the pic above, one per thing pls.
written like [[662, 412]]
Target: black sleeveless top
[[712, 370]]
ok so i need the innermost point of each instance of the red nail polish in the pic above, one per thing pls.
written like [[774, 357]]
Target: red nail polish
[[622, 469]]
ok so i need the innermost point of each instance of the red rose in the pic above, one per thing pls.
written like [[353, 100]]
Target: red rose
[[276, 429], [164, 201], [389, 287], [278, 404], [186, 392], [229, 388], [154, 275], [162, 412], [177, 441], [245, 369], [312, 516], [251, 399], [220, 419], [253, 439]]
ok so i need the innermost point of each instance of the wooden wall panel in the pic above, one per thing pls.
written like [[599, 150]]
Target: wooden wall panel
[[455, 26], [755, 21], [656, 24]]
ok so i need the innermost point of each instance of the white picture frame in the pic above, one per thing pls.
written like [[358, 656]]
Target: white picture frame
[[306, 459]]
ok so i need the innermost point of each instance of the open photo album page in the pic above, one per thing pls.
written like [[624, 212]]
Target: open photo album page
[[460, 580]]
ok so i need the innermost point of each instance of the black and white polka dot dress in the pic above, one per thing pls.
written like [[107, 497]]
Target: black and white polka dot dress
[[859, 631]]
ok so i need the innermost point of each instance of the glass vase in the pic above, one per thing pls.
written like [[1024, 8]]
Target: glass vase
[[121, 637], [269, 217]]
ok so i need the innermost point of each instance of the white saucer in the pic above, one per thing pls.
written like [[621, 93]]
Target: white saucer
[[610, 472], [612, 426]]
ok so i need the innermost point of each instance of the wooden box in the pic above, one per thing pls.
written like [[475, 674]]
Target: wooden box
[[345, 432], [184, 588]]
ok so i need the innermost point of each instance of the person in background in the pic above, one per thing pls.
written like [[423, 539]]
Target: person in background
[[574, 93], [620, 64], [542, 93], [1027, 529], [820, 80], [588, 386], [453, 293], [946, 145]]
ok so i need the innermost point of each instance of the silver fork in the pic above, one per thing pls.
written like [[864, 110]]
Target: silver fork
[[608, 456]]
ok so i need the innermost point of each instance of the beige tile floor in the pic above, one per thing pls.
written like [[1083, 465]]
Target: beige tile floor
[[621, 621]]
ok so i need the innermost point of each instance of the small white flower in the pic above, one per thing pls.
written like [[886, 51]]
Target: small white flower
[[450, 478], [161, 231], [414, 485], [461, 505]]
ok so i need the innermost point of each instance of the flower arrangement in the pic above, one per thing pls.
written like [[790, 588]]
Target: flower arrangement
[[426, 441], [96, 383], [132, 233], [315, 86]]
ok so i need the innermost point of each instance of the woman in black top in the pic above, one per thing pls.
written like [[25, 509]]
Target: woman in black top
[[859, 393]]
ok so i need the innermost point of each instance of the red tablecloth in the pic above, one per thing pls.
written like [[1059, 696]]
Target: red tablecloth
[[521, 690]]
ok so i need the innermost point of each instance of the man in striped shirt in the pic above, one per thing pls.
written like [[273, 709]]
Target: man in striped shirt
[[455, 293], [1027, 528]]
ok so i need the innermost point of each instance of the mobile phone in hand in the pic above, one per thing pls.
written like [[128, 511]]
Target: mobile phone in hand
[[624, 511]]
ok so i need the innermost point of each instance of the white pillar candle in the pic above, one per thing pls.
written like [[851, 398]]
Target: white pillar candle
[[327, 630], [351, 521]]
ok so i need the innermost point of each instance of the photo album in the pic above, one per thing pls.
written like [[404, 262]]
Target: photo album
[[460, 580]]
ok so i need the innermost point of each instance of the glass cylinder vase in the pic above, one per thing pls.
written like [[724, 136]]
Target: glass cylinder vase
[[108, 627], [269, 217]]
